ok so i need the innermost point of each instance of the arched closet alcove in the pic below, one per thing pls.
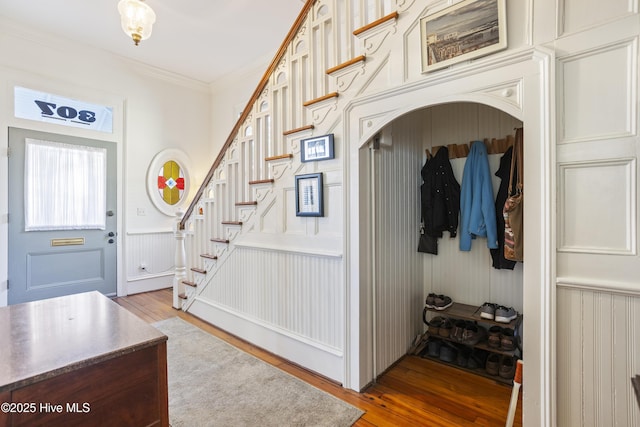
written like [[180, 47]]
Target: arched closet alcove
[[510, 90], [401, 277]]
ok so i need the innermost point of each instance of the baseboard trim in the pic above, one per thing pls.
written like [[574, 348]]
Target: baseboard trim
[[323, 361]]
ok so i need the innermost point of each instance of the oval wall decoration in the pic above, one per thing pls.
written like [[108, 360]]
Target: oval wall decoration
[[168, 180], [171, 182]]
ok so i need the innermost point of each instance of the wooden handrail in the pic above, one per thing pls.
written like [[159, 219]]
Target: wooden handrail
[[247, 110]]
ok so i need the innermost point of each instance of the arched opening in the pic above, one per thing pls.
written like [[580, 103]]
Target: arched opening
[[402, 277], [522, 89]]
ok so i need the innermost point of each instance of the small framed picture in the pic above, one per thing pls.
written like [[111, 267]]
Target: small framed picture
[[466, 30], [309, 198], [317, 148]]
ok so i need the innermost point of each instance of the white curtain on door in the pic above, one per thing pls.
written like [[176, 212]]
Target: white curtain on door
[[65, 186]]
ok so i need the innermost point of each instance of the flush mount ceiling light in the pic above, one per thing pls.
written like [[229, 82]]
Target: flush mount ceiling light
[[137, 19]]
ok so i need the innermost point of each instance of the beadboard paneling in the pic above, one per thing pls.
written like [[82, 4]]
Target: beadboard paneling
[[397, 278], [144, 248], [300, 294], [598, 351]]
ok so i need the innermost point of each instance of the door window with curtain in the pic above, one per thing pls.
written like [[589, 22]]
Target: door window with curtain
[[65, 186]]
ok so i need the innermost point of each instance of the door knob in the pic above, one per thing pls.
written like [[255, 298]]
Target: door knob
[[111, 240], [111, 234]]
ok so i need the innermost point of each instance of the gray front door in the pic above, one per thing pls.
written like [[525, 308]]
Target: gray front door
[[50, 263]]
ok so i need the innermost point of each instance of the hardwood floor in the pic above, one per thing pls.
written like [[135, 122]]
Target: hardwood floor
[[414, 392]]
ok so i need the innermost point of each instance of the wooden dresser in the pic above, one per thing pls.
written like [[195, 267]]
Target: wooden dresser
[[81, 360]]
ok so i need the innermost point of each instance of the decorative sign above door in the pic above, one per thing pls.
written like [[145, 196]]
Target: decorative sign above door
[[45, 107]]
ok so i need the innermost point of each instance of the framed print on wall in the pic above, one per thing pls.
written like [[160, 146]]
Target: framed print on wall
[[317, 148], [463, 31], [309, 197]]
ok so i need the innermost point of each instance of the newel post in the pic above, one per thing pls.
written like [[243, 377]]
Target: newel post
[[180, 261]]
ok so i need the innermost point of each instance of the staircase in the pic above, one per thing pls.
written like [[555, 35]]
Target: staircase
[[330, 56]]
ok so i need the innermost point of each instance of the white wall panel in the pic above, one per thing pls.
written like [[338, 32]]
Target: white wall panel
[[579, 14], [584, 78], [589, 201]]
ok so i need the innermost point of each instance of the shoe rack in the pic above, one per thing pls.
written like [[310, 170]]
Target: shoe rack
[[465, 312]]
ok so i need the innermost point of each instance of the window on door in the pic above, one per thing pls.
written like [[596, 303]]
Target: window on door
[[65, 186]]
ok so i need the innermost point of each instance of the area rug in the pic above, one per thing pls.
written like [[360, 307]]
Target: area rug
[[212, 383]]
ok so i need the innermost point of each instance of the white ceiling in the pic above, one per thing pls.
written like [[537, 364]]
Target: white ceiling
[[200, 39]]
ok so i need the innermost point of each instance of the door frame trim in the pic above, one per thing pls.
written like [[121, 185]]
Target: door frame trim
[[20, 78]]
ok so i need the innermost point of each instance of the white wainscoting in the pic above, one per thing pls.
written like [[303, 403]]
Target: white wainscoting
[[598, 351], [155, 250], [288, 303]]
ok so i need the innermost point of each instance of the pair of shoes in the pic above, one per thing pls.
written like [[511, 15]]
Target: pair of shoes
[[438, 302], [505, 314], [507, 340], [433, 348], [502, 338], [458, 330], [434, 325], [493, 364], [507, 368], [503, 366], [477, 359], [463, 357], [488, 310], [445, 328], [448, 353], [495, 334], [473, 334], [499, 313]]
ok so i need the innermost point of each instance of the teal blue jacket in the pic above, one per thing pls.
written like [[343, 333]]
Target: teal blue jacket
[[477, 204]]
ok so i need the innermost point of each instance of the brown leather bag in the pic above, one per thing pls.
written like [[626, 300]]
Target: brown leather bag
[[513, 207]]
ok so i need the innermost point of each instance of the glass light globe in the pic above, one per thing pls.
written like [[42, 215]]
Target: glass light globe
[[137, 18]]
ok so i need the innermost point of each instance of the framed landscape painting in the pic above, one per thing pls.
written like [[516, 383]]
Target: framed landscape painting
[[466, 30]]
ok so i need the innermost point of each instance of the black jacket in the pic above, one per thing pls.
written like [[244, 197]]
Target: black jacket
[[440, 196], [503, 172]]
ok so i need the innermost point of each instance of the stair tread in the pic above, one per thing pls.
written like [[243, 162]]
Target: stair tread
[[281, 156], [392, 15], [296, 130], [188, 283], [346, 64], [320, 99], [182, 295], [262, 181], [209, 256], [198, 270], [250, 203], [232, 222], [219, 240]]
